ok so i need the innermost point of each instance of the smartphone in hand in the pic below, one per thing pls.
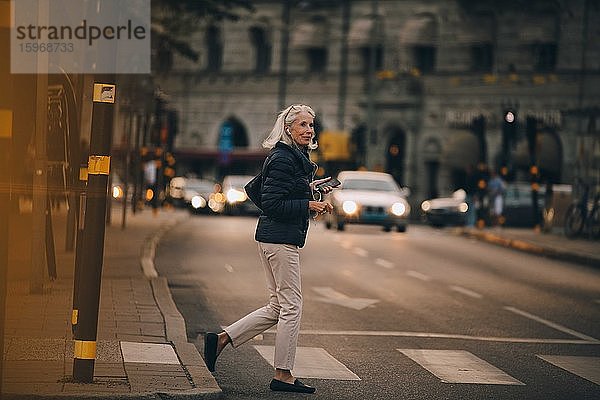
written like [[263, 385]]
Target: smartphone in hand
[[332, 183]]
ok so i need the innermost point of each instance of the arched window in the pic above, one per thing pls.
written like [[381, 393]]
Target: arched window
[[214, 49], [262, 49]]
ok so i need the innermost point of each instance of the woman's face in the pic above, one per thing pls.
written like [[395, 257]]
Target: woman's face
[[302, 129]]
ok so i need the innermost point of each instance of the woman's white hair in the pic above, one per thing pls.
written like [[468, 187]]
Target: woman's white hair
[[285, 119]]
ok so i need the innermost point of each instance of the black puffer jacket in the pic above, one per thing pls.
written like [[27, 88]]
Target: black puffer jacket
[[285, 195]]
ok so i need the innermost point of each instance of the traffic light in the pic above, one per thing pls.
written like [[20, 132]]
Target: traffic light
[[531, 130], [509, 138]]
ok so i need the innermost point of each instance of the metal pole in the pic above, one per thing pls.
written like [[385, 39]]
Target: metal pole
[[40, 188], [93, 233], [371, 77], [531, 128], [343, 64], [283, 63], [127, 161], [5, 145], [581, 89], [137, 164], [79, 247]]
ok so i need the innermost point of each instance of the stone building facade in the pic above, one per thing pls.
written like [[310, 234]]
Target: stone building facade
[[438, 65]]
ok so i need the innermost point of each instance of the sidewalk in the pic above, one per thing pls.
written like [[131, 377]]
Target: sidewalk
[[552, 245], [142, 348]]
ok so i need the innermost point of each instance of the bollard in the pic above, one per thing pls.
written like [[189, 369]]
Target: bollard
[[93, 232]]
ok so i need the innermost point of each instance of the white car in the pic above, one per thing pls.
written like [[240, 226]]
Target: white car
[[443, 211], [372, 198]]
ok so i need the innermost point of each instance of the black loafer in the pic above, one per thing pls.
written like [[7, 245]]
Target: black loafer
[[297, 387], [210, 350]]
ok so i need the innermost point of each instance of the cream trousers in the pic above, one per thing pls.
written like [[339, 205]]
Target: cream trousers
[[282, 270]]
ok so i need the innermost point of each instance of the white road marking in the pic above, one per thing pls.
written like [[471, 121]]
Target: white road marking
[[597, 301], [418, 275], [384, 263], [334, 297], [148, 353], [585, 367], [313, 362], [228, 267], [551, 324], [466, 292], [360, 252], [459, 366], [318, 332]]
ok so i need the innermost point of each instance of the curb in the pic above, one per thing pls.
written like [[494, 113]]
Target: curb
[[531, 248], [189, 357]]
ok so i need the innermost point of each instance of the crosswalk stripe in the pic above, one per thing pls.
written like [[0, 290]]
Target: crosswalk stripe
[[585, 367], [459, 366], [313, 362]]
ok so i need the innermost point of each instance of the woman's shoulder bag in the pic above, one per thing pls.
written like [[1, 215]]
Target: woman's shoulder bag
[[254, 187]]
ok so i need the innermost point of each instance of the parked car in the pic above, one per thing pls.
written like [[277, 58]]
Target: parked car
[[197, 194], [232, 199], [372, 198], [443, 211]]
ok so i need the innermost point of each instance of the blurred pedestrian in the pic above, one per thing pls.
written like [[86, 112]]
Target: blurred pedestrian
[[470, 187], [150, 181], [281, 231], [496, 190]]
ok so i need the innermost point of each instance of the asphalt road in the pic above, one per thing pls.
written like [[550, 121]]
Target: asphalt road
[[416, 315]]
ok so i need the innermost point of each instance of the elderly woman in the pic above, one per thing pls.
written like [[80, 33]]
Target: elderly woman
[[287, 203]]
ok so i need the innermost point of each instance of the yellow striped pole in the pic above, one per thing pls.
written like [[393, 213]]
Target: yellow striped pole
[[85, 313]]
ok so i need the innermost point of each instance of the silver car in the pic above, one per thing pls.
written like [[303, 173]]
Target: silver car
[[372, 198]]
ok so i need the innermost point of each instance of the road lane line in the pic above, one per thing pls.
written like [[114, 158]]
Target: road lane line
[[428, 335], [466, 292], [459, 366], [313, 362], [550, 324], [384, 263], [228, 267], [585, 367], [418, 275], [332, 296], [360, 252]]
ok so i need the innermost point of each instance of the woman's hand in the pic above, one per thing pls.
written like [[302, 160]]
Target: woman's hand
[[320, 207], [325, 190]]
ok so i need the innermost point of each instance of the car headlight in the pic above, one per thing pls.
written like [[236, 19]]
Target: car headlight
[[117, 192], [198, 202], [349, 207], [426, 206], [398, 209], [463, 207], [235, 196]]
